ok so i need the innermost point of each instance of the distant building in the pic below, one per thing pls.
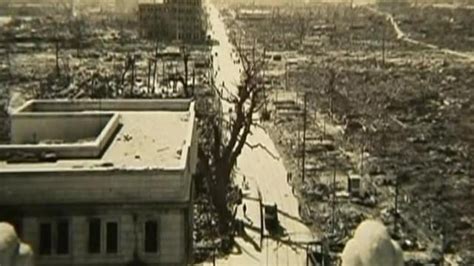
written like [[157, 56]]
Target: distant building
[[101, 182], [34, 8], [126, 6], [182, 20], [254, 14]]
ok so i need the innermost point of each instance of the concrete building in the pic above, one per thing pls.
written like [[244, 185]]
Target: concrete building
[[101, 182], [181, 20], [33, 8], [126, 6]]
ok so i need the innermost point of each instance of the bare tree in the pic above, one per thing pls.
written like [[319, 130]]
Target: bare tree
[[223, 154]]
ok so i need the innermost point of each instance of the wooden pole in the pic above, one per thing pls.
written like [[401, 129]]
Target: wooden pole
[[133, 73], [383, 44], [57, 58], [148, 84], [395, 220], [334, 199], [154, 74], [194, 81], [261, 219], [303, 172]]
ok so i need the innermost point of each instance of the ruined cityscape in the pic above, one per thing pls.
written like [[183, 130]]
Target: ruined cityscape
[[236, 132]]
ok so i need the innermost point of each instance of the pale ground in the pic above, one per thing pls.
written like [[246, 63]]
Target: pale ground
[[264, 172]]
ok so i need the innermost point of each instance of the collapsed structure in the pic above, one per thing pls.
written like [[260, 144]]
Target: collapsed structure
[[181, 20], [101, 182]]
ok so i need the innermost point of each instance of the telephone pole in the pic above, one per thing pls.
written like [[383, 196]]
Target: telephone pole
[[305, 112], [334, 199], [395, 217], [383, 44]]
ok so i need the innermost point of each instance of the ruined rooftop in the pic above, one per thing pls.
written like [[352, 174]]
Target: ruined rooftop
[[90, 134]]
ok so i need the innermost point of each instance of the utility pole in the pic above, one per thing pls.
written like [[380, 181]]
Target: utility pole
[[332, 80], [304, 139], [133, 72], [324, 129], [263, 74], [57, 57], [298, 144], [395, 217], [148, 83], [383, 44], [194, 81], [154, 73], [163, 68], [334, 199], [362, 148], [261, 218]]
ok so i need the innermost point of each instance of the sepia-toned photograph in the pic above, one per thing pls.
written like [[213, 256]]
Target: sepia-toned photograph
[[236, 132]]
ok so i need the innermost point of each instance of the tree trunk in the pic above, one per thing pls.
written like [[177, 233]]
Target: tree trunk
[[219, 193]]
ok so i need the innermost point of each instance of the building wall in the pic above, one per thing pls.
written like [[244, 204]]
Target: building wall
[[173, 20], [102, 186], [172, 225]]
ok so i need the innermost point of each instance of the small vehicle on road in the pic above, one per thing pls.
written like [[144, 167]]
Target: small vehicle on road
[[271, 218]]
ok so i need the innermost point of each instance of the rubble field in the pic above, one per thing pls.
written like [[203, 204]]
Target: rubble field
[[396, 114], [445, 27], [99, 57]]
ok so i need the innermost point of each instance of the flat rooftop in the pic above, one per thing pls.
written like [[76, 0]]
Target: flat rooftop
[[128, 134]]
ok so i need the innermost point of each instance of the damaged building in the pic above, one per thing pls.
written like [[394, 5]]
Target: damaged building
[[180, 20], [101, 182], [34, 8]]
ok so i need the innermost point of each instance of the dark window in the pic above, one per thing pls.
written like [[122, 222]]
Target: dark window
[[45, 245], [112, 237], [62, 246], [151, 236], [94, 236]]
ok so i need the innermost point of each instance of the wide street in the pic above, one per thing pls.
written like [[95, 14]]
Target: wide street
[[265, 173]]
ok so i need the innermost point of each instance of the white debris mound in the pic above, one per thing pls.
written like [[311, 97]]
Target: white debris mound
[[12, 251], [372, 246]]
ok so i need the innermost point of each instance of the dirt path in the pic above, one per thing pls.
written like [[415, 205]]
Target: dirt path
[[402, 36]]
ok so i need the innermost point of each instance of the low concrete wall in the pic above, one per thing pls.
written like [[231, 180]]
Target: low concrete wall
[[36, 106], [67, 128], [108, 126]]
